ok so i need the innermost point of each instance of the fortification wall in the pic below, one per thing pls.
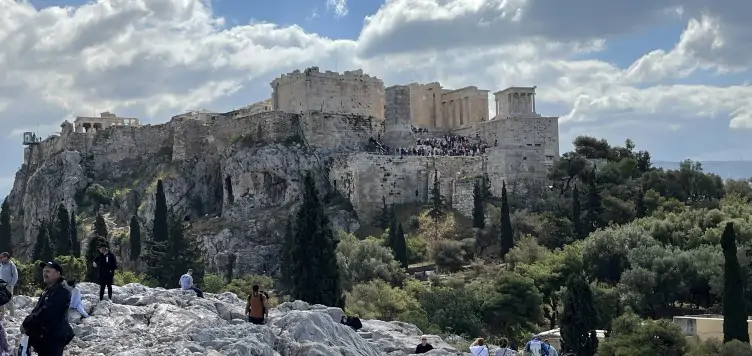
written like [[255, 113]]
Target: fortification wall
[[397, 125], [353, 93], [365, 178], [462, 195]]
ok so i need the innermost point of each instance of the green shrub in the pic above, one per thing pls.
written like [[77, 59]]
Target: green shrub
[[73, 268], [417, 249], [214, 283], [243, 286], [29, 279], [126, 277]]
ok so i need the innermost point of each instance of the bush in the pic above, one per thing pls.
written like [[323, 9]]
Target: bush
[[243, 287], [361, 261], [417, 249], [378, 300], [214, 283], [126, 277], [29, 279], [449, 255], [73, 268]]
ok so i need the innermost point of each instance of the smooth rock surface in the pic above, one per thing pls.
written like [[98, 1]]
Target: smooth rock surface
[[142, 321]]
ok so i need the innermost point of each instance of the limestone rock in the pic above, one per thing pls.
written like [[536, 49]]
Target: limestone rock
[[142, 321]]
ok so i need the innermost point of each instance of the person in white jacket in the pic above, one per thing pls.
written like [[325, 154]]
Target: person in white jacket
[[76, 309], [479, 348]]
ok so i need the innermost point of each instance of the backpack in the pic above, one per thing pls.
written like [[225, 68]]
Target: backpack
[[5, 294]]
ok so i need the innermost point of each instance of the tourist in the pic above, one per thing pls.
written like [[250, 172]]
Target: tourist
[[76, 309], [47, 328], [479, 348], [535, 347], [504, 349], [8, 273], [186, 283], [107, 264], [550, 349], [424, 346], [257, 308], [352, 321]]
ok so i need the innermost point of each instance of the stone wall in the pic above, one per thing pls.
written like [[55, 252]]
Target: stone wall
[[366, 178], [311, 90], [462, 195], [397, 126]]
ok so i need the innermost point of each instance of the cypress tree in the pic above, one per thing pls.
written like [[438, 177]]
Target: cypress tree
[[392, 236], [594, 214], [161, 228], [315, 271], [579, 318], [579, 230], [75, 244], [507, 235], [188, 254], [479, 214], [91, 253], [288, 245], [43, 250], [640, 209], [62, 238], [6, 242], [437, 201], [135, 239], [230, 269], [385, 216], [400, 247], [734, 313], [100, 227], [228, 188]]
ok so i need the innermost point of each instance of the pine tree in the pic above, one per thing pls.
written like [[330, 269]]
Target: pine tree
[[43, 247], [91, 253], [100, 227], [640, 209], [314, 272], [594, 213], [230, 268], [400, 247], [734, 313], [579, 318], [579, 230], [161, 228], [507, 235], [75, 244], [479, 214], [135, 239], [6, 242], [437, 201], [62, 232]]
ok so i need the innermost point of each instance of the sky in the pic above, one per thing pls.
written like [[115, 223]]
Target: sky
[[672, 75]]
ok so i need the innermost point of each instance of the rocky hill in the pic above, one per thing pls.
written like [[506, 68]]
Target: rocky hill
[[141, 321], [235, 180]]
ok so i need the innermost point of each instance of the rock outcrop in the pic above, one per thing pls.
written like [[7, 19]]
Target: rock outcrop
[[142, 321]]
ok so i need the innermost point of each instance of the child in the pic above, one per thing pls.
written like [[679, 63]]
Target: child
[[75, 302]]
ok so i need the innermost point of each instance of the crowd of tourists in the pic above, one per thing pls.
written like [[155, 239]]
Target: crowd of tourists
[[534, 347], [448, 145]]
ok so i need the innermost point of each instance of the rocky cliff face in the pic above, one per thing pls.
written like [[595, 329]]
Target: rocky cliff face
[[141, 321], [260, 158]]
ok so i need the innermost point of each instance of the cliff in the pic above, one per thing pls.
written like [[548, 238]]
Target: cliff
[[144, 321], [261, 157]]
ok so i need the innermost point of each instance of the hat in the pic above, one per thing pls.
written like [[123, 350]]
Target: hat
[[52, 264], [103, 245]]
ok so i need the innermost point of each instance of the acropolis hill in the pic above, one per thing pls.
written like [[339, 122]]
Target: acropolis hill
[[362, 141]]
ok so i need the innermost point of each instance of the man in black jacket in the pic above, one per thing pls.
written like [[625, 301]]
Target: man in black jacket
[[47, 326], [107, 264]]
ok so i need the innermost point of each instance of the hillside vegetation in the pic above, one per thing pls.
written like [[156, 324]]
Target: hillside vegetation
[[612, 244]]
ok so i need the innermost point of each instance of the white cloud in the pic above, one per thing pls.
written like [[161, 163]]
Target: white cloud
[[339, 7], [153, 58]]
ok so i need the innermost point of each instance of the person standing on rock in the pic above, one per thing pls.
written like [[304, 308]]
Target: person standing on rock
[[8, 273], [47, 328], [186, 283], [256, 309], [107, 264], [424, 346]]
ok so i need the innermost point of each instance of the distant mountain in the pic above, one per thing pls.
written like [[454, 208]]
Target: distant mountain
[[725, 169]]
